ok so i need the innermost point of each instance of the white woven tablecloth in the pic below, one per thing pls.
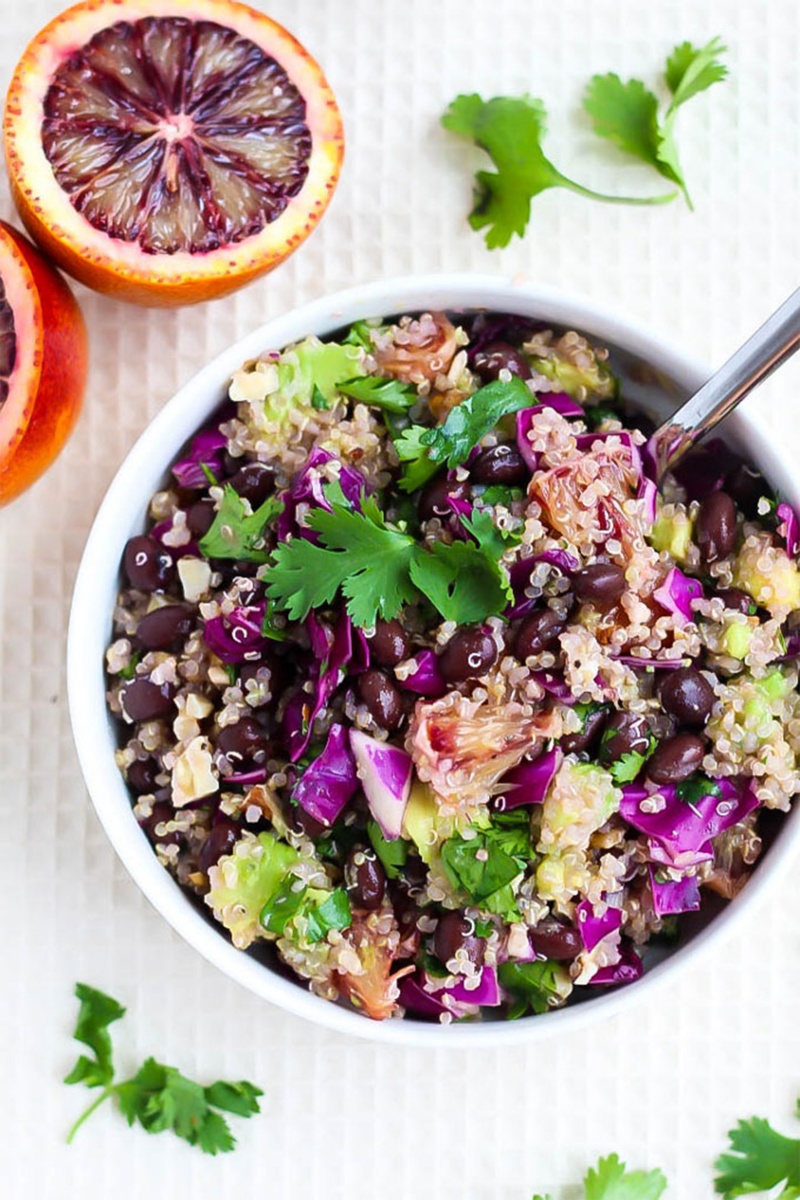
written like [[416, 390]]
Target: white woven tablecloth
[[343, 1118]]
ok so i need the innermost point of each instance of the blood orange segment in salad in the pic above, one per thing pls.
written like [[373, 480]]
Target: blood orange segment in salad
[[423, 688], [43, 363], [168, 151]]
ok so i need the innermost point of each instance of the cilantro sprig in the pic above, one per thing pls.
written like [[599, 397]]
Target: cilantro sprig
[[626, 113], [759, 1159], [392, 395], [611, 1180], [237, 533], [158, 1097], [379, 568]]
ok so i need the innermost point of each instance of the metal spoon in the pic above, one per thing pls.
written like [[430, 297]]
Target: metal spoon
[[761, 354]]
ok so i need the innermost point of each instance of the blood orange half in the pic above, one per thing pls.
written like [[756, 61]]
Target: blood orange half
[[169, 151], [43, 363]]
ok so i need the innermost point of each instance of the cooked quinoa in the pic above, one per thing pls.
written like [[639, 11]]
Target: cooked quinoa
[[422, 685]]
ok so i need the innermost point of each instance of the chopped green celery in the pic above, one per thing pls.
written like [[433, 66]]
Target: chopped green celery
[[673, 533], [737, 638], [245, 880], [595, 382], [311, 365], [419, 820], [776, 585]]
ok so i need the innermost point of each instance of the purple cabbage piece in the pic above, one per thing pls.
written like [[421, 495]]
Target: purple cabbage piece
[[320, 636], [789, 528], [414, 998], [593, 929], [676, 895], [661, 664], [681, 832], [704, 470], [561, 402], [248, 778], [528, 782], [460, 508], [627, 970], [427, 680], [361, 653], [330, 782], [487, 993], [206, 447], [325, 676], [295, 723], [519, 576], [385, 773], [189, 549], [306, 488], [557, 686], [648, 492], [500, 327], [237, 636], [676, 594]]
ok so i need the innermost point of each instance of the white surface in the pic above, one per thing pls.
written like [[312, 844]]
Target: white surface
[[661, 1082]]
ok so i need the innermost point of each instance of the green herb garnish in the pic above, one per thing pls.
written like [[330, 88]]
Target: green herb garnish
[[129, 671], [696, 787], [333, 913], [285, 903], [391, 395], [318, 400], [393, 853], [158, 1097], [627, 113], [611, 1180], [237, 534], [758, 1160], [478, 865], [532, 984]]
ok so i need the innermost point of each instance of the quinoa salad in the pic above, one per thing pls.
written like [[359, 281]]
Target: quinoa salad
[[428, 697]]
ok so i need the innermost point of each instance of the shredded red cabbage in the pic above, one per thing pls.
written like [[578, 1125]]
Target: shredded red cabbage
[[306, 488], [674, 895], [427, 680], [789, 528], [519, 576], [385, 773], [676, 594], [330, 781], [593, 929], [627, 970], [237, 635], [207, 448], [561, 402], [528, 782], [679, 831]]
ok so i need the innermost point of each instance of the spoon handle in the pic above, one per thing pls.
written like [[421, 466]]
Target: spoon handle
[[771, 344]]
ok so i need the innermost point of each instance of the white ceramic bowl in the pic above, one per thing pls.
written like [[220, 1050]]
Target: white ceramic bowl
[[657, 376]]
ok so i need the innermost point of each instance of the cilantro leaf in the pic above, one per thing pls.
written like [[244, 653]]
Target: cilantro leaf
[[531, 983], [759, 1159], [627, 767], [333, 913], [392, 853], [511, 130], [392, 395], [477, 865], [318, 400], [461, 581], [96, 1013], [696, 787], [235, 534], [469, 421], [492, 541], [627, 113], [511, 832], [413, 452], [499, 493], [283, 904], [359, 335], [134, 660], [610, 1180], [158, 1097], [359, 553]]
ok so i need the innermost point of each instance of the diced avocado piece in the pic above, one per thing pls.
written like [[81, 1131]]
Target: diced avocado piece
[[768, 574], [737, 637], [774, 685], [581, 798], [244, 880], [672, 531], [592, 382], [419, 820]]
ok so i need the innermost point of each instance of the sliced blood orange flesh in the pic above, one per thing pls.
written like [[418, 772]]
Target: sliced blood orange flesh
[[170, 150], [43, 363]]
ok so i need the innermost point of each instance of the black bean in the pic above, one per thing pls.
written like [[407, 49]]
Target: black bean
[[149, 567], [500, 464], [254, 482], [304, 822], [389, 644], [500, 356], [737, 600], [364, 878], [583, 741], [688, 696], [625, 733], [141, 776], [165, 628], [382, 697], [715, 531], [676, 759], [469, 654], [555, 939], [223, 837], [537, 632], [601, 584], [162, 813], [245, 742], [746, 486], [455, 932], [200, 517], [147, 701], [433, 498]]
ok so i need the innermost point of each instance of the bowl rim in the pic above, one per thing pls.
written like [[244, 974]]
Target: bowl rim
[[122, 511]]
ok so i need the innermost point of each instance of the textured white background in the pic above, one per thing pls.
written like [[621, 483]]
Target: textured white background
[[662, 1082]]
